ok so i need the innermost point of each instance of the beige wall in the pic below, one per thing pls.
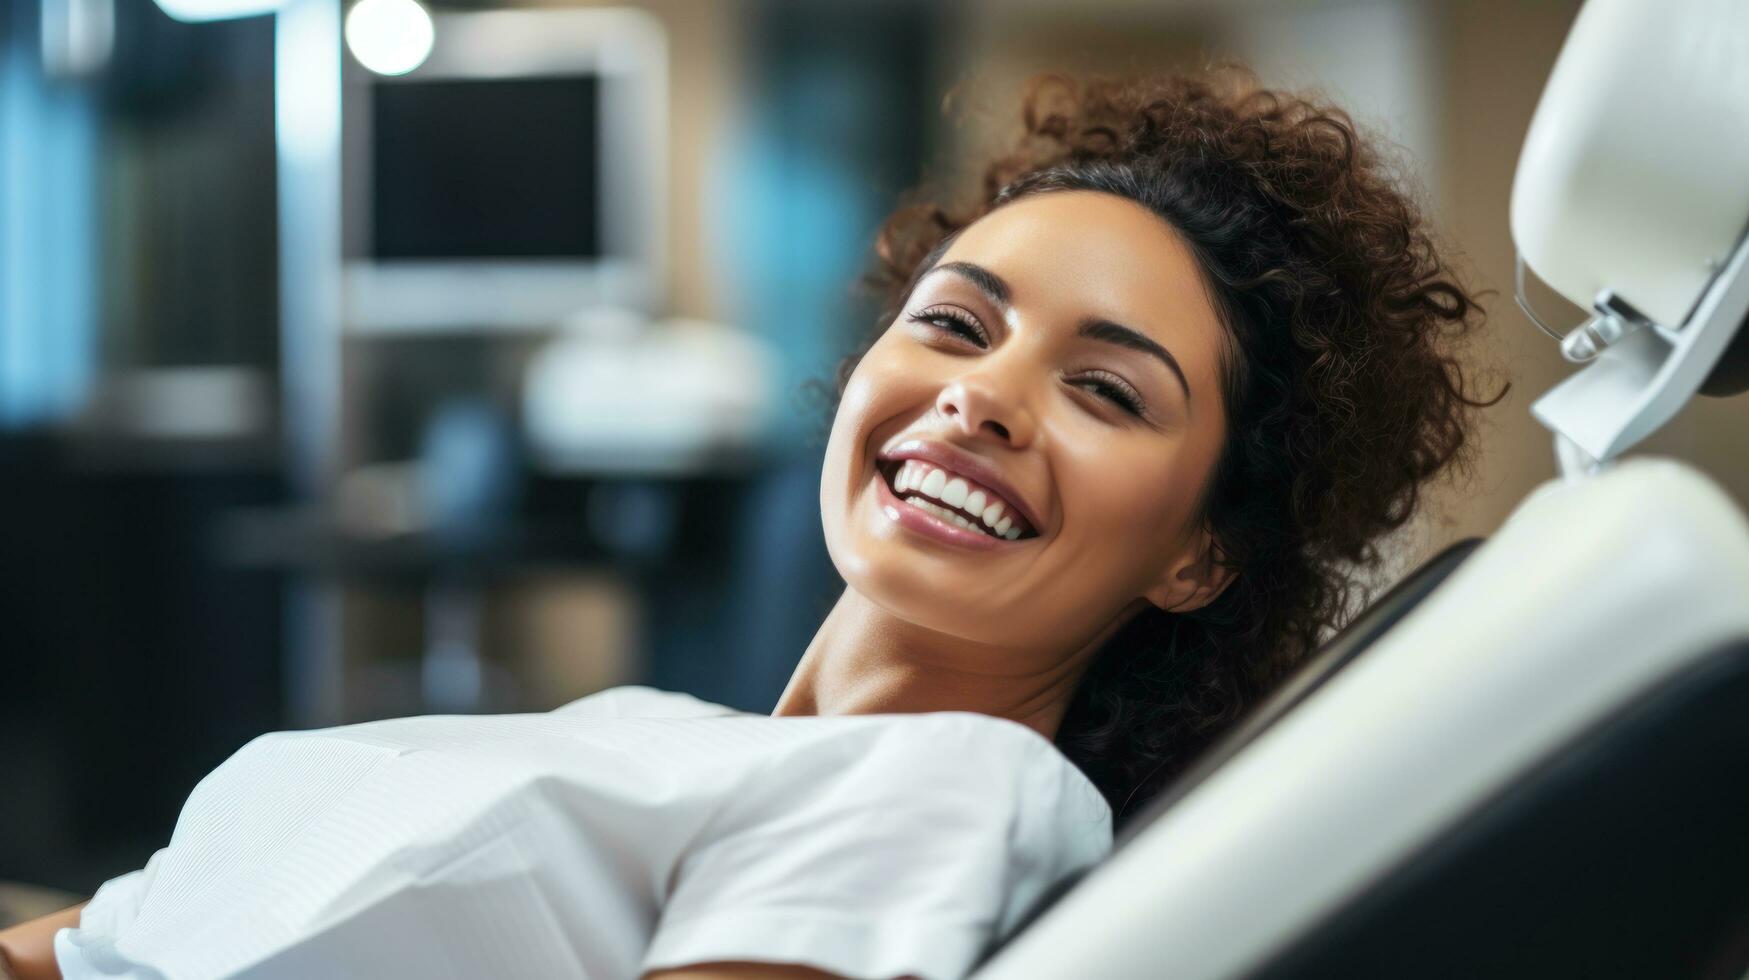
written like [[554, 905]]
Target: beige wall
[[1496, 55], [1493, 58]]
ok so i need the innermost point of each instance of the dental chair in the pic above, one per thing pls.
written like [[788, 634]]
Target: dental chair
[[1531, 758]]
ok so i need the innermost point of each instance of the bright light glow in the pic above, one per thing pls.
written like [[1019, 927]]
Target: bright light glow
[[195, 11], [390, 37], [306, 89]]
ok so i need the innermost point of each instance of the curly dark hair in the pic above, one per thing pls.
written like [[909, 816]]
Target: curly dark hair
[[1342, 387]]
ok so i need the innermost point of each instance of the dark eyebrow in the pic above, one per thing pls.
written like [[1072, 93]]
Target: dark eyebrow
[[992, 286], [988, 283], [1117, 333]]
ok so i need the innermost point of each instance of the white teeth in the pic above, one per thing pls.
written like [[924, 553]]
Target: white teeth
[[993, 513], [913, 475], [947, 491], [933, 483], [947, 515], [956, 519]]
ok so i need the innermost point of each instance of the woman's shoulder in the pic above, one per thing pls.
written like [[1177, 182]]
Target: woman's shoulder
[[952, 758], [1061, 822], [1044, 772]]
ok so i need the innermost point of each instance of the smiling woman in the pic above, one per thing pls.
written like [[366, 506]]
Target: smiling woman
[[1065, 354], [1198, 328]]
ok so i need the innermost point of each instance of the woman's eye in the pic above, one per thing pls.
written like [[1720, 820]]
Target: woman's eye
[[952, 322], [1118, 394]]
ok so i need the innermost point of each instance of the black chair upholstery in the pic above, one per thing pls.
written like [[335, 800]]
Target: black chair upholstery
[[1625, 854]]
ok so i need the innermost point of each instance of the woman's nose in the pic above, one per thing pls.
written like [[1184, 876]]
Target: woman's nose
[[974, 404]]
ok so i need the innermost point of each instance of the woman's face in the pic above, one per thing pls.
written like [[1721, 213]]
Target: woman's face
[[1062, 360]]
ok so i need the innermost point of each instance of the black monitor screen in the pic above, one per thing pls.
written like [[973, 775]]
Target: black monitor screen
[[485, 168]]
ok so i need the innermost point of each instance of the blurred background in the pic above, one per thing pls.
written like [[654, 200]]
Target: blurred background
[[377, 359]]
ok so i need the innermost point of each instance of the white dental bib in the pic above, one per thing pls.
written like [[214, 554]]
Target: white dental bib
[[629, 831]]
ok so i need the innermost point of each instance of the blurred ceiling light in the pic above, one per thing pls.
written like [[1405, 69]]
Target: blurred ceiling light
[[195, 11], [77, 36], [390, 37]]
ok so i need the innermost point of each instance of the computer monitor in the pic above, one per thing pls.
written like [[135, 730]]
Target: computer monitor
[[515, 177]]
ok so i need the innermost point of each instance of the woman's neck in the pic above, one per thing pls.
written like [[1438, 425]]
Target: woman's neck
[[864, 660]]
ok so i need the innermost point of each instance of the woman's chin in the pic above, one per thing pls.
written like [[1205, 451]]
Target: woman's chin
[[927, 577], [924, 586]]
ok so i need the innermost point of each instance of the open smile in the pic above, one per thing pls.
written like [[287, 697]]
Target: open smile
[[942, 505]]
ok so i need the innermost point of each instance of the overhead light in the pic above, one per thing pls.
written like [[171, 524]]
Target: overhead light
[[78, 36], [390, 37], [195, 11]]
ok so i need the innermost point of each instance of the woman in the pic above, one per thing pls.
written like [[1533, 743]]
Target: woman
[[1135, 413]]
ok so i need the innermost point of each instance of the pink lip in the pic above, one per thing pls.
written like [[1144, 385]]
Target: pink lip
[[966, 465], [914, 518]]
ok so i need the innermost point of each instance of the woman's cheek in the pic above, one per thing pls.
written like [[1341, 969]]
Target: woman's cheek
[[872, 381], [1125, 510]]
